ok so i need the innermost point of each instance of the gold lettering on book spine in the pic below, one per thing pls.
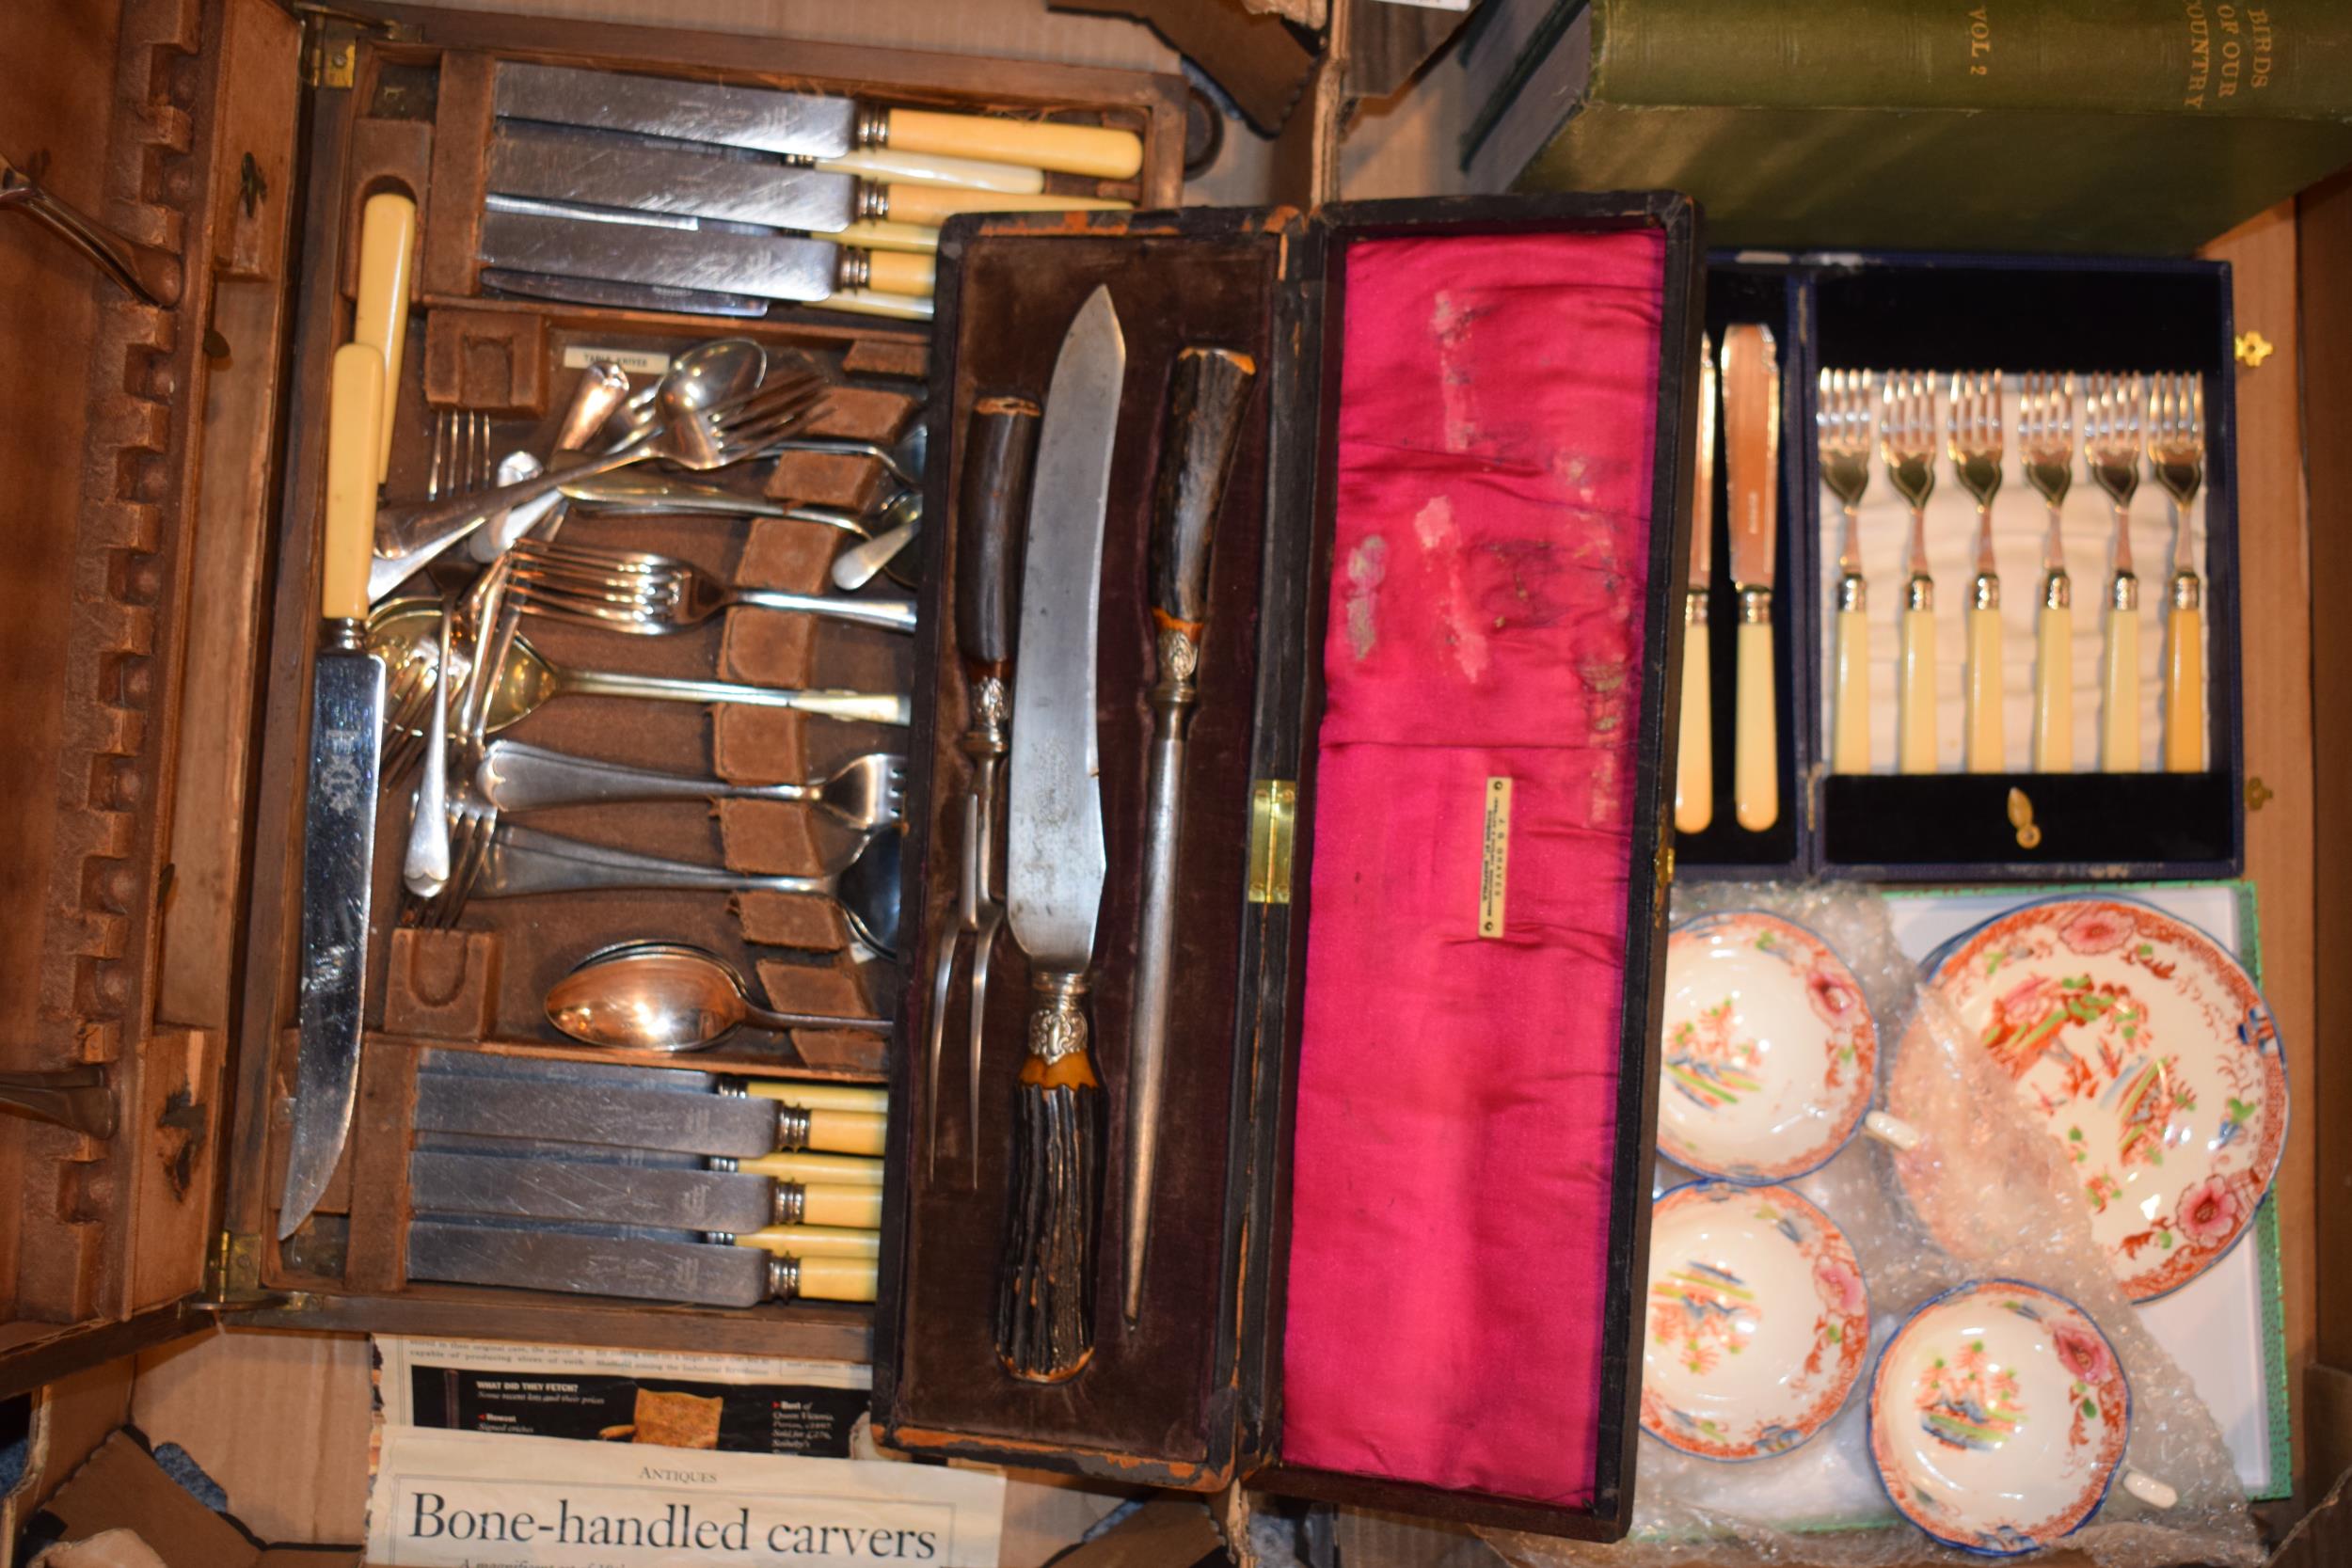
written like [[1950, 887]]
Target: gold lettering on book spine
[[1980, 41]]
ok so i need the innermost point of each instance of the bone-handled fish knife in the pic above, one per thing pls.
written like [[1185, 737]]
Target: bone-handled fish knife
[[338, 815], [802, 124], [1210, 388], [1750, 389], [1055, 861]]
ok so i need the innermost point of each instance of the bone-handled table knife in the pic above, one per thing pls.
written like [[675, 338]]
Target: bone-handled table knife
[[739, 1126], [1056, 863], [700, 1274], [802, 124], [1695, 744], [387, 238], [768, 266], [338, 817], [1210, 388], [447, 1181], [1002, 445], [1751, 382], [602, 169]]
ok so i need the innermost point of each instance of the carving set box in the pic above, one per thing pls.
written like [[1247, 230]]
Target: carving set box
[[2019, 660], [1142, 785]]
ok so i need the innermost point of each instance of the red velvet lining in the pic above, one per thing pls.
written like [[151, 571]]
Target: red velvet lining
[[1456, 1098]]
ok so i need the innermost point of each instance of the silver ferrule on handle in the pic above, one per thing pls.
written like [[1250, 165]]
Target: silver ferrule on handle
[[889, 615], [2057, 590], [1057, 1017], [792, 1123], [1756, 605], [1984, 593], [1695, 604], [515, 776], [790, 1203], [784, 1277], [2123, 593], [2188, 590], [1853, 593], [343, 634], [871, 708], [1919, 592]]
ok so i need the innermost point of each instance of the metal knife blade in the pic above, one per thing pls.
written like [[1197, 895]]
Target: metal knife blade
[[560, 165], [597, 1114], [338, 815], [538, 1259], [451, 1183], [1703, 499], [772, 266], [804, 125], [1055, 863], [1751, 451]]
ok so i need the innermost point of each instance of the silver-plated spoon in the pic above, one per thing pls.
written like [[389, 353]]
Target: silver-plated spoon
[[669, 996]]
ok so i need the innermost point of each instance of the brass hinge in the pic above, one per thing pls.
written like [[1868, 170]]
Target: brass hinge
[[233, 1279], [330, 59], [1273, 812]]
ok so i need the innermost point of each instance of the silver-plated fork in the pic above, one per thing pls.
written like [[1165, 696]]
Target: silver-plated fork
[[2176, 456], [2045, 453], [634, 592], [864, 793], [460, 461], [1907, 446], [2111, 433]]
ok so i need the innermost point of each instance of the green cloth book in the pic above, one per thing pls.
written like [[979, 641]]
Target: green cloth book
[[2085, 125]]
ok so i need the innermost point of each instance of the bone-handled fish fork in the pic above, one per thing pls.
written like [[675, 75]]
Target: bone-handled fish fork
[[2111, 428], [1907, 447], [1975, 448], [2176, 455], [1843, 418], [2045, 450]]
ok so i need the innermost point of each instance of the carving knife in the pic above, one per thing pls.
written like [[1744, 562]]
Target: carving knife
[[1209, 390], [1694, 761], [1750, 389], [733, 1203], [704, 258], [1055, 861], [802, 124], [754, 1119], [696, 181], [588, 1262], [338, 817]]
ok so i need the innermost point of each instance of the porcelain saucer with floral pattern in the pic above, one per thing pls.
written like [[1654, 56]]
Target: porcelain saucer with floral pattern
[[1769, 1054], [2151, 1057], [1998, 1418], [1758, 1324]]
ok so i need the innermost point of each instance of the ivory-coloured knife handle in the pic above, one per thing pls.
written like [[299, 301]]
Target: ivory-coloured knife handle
[[814, 1240], [1756, 738], [1850, 719], [2185, 684], [1694, 763], [811, 1167], [908, 272], [935, 168], [387, 238], [833, 1278], [2119, 682], [845, 1133], [873, 302], [858, 1208], [819, 1096], [935, 204], [354, 412], [1915, 747], [2054, 689], [1986, 748], [1097, 150], [887, 234]]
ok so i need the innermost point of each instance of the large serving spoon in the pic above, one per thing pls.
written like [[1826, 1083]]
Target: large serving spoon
[[669, 996], [406, 634]]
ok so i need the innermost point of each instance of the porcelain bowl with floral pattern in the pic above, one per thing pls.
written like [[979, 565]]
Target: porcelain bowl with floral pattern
[[1769, 1056], [2147, 1051], [1998, 1417], [1759, 1321]]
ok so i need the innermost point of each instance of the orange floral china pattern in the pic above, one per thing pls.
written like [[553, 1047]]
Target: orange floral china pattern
[[1998, 1417], [2151, 1057], [1758, 1320]]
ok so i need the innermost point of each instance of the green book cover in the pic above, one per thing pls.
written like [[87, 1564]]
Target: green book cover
[[2103, 125]]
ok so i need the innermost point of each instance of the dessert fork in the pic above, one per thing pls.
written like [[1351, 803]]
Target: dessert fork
[[632, 591], [460, 461], [1907, 447], [2111, 452], [2045, 449], [1976, 448], [2176, 455], [1842, 417]]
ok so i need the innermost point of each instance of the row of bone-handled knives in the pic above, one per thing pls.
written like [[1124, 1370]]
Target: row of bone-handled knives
[[2115, 421]]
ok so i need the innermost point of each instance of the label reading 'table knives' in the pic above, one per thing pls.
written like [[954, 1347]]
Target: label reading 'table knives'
[[637, 361], [1495, 859]]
